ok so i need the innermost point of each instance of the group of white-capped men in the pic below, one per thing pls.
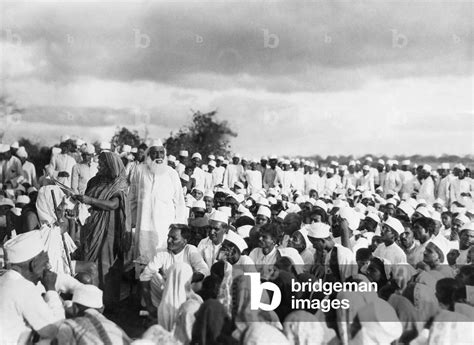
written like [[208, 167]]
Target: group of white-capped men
[[252, 214]]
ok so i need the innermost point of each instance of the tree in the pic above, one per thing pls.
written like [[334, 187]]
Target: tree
[[205, 135], [123, 136]]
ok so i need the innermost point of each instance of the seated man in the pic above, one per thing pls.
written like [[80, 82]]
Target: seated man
[[89, 326], [178, 250], [231, 251], [22, 307], [218, 228]]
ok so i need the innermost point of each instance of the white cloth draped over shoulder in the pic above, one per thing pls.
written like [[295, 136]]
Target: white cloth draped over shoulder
[[156, 201]]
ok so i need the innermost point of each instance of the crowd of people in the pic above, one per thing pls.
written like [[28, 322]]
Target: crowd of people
[[188, 228]]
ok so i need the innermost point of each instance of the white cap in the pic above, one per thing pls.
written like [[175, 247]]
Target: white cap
[[57, 150], [374, 216], [105, 145], [183, 153], [219, 216], [319, 230], [406, 207], [80, 142], [282, 215], [22, 152], [351, 216], [134, 150], [211, 157], [88, 296], [406, 162], [392, 201], [220, 158], [156, 143], [31, 190], [264, 211], [239, 185], [126, 148], [196, 155], [237, 240], [445, 166], [381, 161], [293, 255], [427, 168], [24, 247], [463, 218], [395, 224], [22, 199], [244, 230], [436, 216], [63, 138], [212, 164], [468, 226], [321, 204], [365, 167], [171, 158], [88, 149], [4, 148], [6, 202], [236, 156], [184, 177], [199, 204], [15, 145]]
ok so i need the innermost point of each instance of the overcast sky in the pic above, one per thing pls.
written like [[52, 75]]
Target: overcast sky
[[291, 77]]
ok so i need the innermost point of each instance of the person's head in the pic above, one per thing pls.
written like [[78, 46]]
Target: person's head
[[197, 193], [178, 237], [273, 163], [231, 249], [320, 237], [376, 271], [25, 254], [423, 228], [268, 237], [389, 235], [217, 231], [86, 296], [446, 219], [196, 160], [140, 155], [466, 238], [209, 201], [363, 256], [235, 160], [263, 216], [433, 256], [313, 194], [458, 222], [445, 291], [407, 238], [264, 161], [297, 241], [291, 223], [370, 224], [389, 210]]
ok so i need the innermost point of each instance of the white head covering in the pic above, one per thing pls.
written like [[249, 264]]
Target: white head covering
[[220, 216], [395, 224], [406, 207], [24, 247], [22, 199], [183, 153], [196, 155], [88, 296], [351, 216], [21, 152], [4, 148], [294, 256], [319, 230], [264, 211], [244, 230], [105, 146], [237, 240]]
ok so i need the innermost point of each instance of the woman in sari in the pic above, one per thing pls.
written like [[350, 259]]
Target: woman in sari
[[106, 236]]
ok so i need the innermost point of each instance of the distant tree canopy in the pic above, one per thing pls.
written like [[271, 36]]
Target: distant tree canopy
[[124, 136], [205, 135]]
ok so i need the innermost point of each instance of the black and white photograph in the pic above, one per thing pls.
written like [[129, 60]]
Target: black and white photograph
[[261, 172]]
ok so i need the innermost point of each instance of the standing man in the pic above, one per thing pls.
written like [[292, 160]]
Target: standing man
[[426, 191], [254, 178], [310, 179], [181, 166], [270, 173], [29, 170], [460, 186], [444, 184], [11, 166], [392, 182], [84, 171], [198, 174], [62, 163], [234, 172], [407, 178], [218, 172], [156, 200]]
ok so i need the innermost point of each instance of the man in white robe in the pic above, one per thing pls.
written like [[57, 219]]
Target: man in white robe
[[63, 163], [234, 172], [10, 165], [253, 176], [29, 170], [218, 172], [156, 200], [426, 191], [392, 181]]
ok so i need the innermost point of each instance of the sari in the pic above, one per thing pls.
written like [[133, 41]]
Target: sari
[[106, 236]]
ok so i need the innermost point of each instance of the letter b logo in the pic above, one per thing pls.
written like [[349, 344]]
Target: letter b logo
[[256, 289]]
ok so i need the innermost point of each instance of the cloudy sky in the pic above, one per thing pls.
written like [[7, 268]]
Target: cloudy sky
[[291, 77]]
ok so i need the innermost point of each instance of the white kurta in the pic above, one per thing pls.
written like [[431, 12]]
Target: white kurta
[[233, 174], [29, 172], [218, 175], [156, 201], [254, 180], [392, 182], [298, 179], [63, 162]]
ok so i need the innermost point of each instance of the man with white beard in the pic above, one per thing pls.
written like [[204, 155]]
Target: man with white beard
[[156, 200]]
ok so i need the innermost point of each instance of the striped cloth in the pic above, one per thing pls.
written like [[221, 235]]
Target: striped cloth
[[91, 329]]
